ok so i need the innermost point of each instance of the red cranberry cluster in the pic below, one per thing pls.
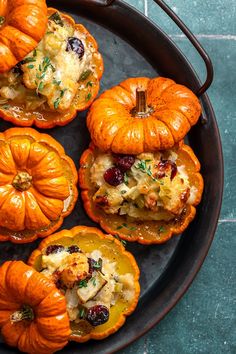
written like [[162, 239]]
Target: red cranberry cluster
[[115, 175], [97, 315], [52, 249], [163, 167]]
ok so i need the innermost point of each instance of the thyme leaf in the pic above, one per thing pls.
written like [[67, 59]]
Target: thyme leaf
[[57, 19], [83, 284]]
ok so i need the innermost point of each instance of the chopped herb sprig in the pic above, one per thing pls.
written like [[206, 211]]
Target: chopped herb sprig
[[142, 166]]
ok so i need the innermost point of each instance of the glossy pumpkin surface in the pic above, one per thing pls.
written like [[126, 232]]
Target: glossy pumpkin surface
[[22, 26], [33, 314], [89, 239], [115, 125], [37, 185], [145, 232], [87, 92]]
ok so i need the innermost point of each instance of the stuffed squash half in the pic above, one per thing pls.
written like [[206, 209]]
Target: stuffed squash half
[[60, 76], [98, 277], [146, 197]]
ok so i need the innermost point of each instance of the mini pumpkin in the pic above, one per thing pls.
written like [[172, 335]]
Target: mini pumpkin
[[33, 314], [22, 26], [93, 243], [37, 185], [161, 196], [55, 81], [142, 115]]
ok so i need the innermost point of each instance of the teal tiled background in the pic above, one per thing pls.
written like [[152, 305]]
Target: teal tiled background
[[204, 321]]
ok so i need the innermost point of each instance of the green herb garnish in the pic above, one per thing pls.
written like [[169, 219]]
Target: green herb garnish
[[88, 97], [97, 264], [126, 181], [83, 284], [124, 225], [82, 313], [142, 166], [58, 100], [55, 82], [93, 280], [89, 83], [6, 106], [124, 243], [34, 53], [31, 66], [161, 229], [40, 86], [28, 60], [123, 192], [57, 19], [85, 75]]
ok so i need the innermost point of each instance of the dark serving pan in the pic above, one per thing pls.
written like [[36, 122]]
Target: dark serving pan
[[133, 46]]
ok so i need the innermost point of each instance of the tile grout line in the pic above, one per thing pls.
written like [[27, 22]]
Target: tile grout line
[[207, 36], [221, 221], [145, 7], [145, 347]]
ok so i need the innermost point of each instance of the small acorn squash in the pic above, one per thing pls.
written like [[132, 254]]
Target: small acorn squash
[[37, 185], [142, 115], [33, 314]]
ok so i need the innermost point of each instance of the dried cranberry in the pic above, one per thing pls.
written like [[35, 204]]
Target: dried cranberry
[[54, 249], [74, 249], [124, 162], [97, 315], [102, 200], [76, 45], [164, 165], [114, 176]]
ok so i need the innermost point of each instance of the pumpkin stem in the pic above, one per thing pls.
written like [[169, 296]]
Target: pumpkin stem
[[26, 313], [22, 181], [141, 101], [141, 110]]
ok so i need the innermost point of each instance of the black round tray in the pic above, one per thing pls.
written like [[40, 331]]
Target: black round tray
[[133, 46]]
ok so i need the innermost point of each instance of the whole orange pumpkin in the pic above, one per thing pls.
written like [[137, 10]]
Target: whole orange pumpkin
[[135, 229], [142, 115], [33, 315], [31, 105], [37, 185], [22, 26], [89, 239]]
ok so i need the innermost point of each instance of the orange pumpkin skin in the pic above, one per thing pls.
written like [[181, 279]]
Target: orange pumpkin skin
[[172, 108], [48, 329], [37, 185], [19, 116], [23, 24], [78, 235], [144, 232]]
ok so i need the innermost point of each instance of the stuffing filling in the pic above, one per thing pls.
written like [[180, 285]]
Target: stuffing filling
[[149, 186], [51, 75], [90, 282]]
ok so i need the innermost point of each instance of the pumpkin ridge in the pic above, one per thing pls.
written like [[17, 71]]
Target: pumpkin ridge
[[7, 200], [32, 194], [169, 132]]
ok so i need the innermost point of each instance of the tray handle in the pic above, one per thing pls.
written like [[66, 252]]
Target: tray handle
[[195, 43], [188, 34]]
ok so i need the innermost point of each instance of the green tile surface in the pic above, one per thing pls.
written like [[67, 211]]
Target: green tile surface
[[204, 321], [205, 17]]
